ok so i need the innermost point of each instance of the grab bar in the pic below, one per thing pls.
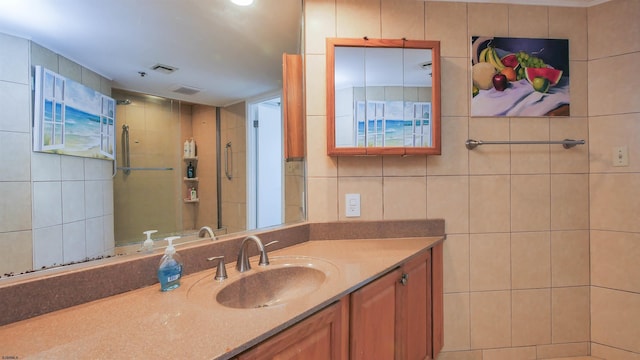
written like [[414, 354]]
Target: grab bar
[[125, 150], [126, 168], [566, 143], [126, 155], [228, 160]]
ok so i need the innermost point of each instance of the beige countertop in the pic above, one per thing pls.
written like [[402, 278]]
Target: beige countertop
[[187, 322]]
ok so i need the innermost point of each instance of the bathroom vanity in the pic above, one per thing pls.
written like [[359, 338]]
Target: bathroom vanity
[[356, 297]]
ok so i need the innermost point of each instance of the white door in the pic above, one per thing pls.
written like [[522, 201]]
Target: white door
[[265, 195]]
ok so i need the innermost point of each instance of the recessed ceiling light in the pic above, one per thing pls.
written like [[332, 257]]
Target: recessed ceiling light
[[242, 2]]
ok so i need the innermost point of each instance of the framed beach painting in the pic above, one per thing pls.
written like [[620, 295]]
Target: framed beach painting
[[71, 118], [519, 77]]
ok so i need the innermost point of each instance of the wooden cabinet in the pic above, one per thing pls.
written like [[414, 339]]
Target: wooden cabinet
[[293, 106], [373, 319], [397, 316], [437, 298], [391, 317], [415, 310], [322, 336]]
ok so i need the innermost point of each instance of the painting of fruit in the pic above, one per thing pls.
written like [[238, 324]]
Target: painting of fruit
[[519, 77]]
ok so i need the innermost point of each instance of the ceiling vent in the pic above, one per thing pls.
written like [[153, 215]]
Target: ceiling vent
[[165, 69], [185, 90]]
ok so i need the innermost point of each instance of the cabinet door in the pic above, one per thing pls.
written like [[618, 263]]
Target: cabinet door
[[293, 106], [322, 336], [373, 319], [414, 310]]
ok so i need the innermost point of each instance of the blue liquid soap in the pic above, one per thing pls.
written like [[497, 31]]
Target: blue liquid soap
[[170, 269]]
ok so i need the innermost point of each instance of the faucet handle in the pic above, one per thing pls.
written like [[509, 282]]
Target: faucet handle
[[221, 271], [264, 259]]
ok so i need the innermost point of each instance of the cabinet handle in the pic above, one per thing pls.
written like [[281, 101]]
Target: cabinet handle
[[404, 279]]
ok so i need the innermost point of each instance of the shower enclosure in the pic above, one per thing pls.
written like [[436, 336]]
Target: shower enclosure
[[147, 181]]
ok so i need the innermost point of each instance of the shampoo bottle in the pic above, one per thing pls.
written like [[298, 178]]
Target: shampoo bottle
[[170, 269], [191, 171], [192, 148], [186, 153], [147, 245]]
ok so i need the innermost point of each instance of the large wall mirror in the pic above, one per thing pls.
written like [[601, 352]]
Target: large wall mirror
[[150, 189], [383, 97]]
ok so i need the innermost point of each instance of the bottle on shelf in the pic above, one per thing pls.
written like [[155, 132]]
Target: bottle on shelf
[[186, 147], [192, 148], [191, 171], [193, 195]]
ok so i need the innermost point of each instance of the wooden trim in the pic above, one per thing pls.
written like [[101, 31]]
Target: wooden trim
[[293, 106], [332, 150], [437, 288]]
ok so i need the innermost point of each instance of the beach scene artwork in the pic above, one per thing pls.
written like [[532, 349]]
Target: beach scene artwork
[[519, 77], [393, 123], [71, 118]]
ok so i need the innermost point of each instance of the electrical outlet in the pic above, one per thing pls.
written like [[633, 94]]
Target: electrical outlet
[[352, 202], [620, 156]]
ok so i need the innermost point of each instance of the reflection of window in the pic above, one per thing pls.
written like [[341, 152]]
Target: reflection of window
[[392, 123]]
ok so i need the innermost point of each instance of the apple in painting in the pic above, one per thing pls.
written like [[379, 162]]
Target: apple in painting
[[500, 82]]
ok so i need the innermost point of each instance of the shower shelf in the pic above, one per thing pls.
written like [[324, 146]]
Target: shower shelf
[[195, 179], [187, 201]]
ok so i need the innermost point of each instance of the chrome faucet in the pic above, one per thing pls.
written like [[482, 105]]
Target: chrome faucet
[[242, 264], [206, 230]]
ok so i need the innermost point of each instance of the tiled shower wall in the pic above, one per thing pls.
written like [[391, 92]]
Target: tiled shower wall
[[55, 209], [233, 129], [614, 120], [517, 254], [147, 199]]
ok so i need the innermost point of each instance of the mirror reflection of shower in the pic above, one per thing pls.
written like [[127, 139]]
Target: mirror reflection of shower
[[146, 183]]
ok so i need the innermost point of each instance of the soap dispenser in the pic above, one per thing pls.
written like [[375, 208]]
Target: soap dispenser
[[170, 269], [147, 245]]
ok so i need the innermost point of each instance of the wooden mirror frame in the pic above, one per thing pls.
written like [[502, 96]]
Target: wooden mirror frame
[[434, 46]]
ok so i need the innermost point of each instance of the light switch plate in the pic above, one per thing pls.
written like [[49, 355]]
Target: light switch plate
[[352, 203]]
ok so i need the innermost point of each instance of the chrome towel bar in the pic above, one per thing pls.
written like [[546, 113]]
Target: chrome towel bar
[[566, 143]]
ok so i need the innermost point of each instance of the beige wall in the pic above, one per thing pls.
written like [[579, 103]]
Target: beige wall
[[517, 255], [614, 120]]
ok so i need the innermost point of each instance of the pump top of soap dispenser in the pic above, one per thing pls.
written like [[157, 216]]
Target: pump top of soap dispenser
[[147, 245], [170, 250]]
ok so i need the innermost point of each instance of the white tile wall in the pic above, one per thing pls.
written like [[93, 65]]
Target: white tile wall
[[45, 167], [50, 196], [17, 216], [94, 237], [14, 156], [47, 246], [73, 247], [73, 201], [14, 118], [14, 59], [47, 204], [93, 198], [72, 168]]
